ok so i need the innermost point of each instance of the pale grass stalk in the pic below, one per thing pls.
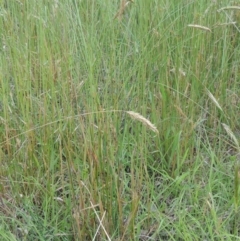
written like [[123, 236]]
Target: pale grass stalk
[[225, 24], [100, 220], [142, 119], [229, 8], [199, 27], [100, 224], [210, 95], [231, 134], [133, 114], [98, 227], [97, 205]]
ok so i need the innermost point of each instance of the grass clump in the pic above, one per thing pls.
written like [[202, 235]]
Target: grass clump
[[119, 120]]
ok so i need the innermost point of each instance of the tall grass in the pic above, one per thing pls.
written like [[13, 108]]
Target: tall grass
[[119, 125]]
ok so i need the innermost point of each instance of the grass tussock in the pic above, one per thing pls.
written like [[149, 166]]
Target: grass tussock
[[78, 161]]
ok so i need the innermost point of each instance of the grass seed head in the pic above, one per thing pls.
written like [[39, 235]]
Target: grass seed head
[[210, 95], [199, 27], [142, 119]]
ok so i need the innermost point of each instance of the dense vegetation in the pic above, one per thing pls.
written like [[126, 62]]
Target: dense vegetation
[[77, 160]]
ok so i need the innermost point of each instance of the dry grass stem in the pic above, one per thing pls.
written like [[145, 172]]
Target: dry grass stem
[[229, 8], [180, 111], [199, 27], [100, 223], [142, 119], [122, 9], [210, 95], [225, 24]]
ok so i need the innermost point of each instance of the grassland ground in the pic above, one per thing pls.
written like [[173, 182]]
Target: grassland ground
[[119, 120]]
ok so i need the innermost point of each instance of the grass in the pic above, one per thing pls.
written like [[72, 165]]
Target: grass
[[119, 124]]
